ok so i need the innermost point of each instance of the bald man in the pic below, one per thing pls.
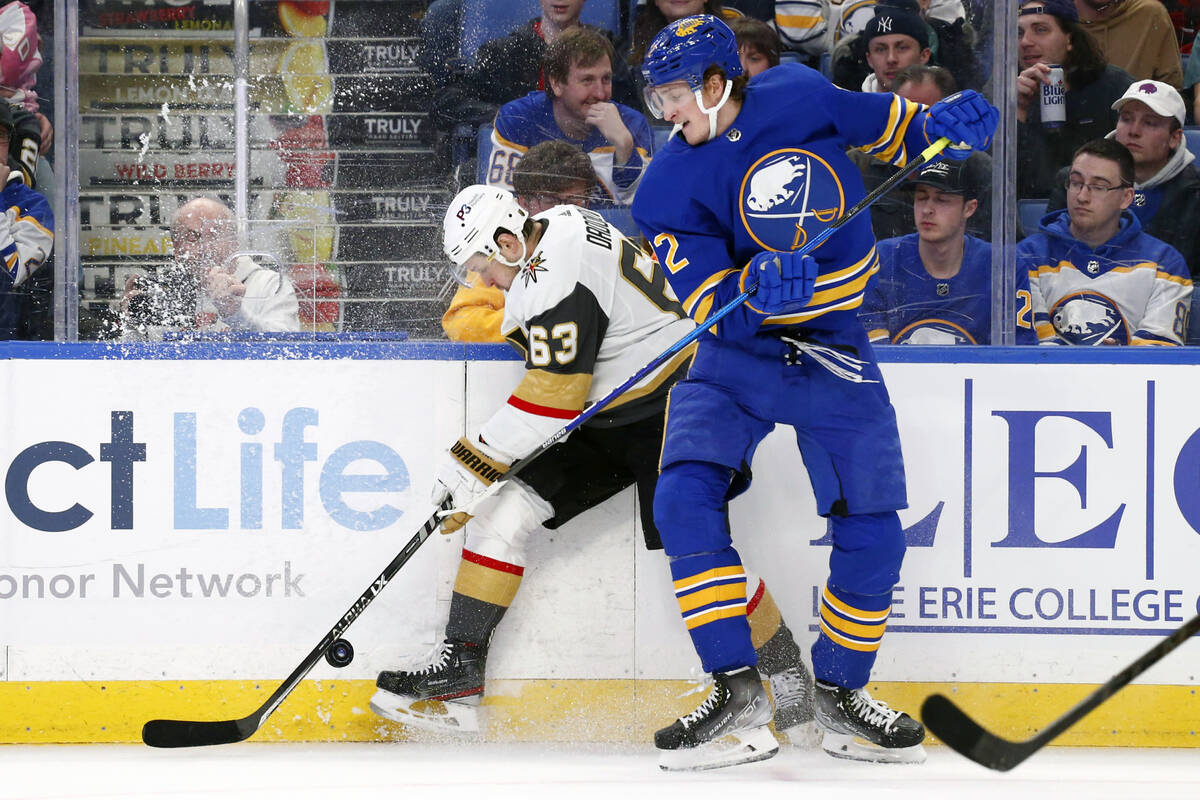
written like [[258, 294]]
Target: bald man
[[210, 286]]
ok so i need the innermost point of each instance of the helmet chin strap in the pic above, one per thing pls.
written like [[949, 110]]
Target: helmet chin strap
[[712, 112], [498, 256]]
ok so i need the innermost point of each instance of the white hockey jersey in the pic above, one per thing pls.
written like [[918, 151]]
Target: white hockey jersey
[[1133, 289], [588, 310]]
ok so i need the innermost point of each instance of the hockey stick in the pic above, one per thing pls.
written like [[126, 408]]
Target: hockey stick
[[189, 733], [948, 722]]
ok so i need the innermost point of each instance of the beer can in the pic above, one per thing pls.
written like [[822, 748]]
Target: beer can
[[1054, 98]]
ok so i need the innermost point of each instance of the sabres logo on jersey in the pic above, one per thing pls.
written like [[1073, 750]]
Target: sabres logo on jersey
[[933, 331], [530, 273], [788, 196], [1088, 318]]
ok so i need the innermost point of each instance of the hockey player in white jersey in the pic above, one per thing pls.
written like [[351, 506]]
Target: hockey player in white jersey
[[587, 308]]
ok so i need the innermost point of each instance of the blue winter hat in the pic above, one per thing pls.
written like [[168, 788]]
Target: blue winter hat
[[1063, 9]]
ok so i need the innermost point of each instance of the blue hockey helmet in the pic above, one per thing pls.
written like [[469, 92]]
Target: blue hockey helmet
[[687, 47], [682, 51]]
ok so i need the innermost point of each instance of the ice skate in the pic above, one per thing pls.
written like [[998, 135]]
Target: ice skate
[[861, 728], [730, 727], [443, 696], [795, 717]]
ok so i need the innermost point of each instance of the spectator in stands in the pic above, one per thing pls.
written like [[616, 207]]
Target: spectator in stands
[[804, 26], [1094, 275], [924, 83], [552, 173], [1166, 188], [1135, 35], [891, 215], [934, 286], [26, 235], [510, 67], [1050, 33], [894, 39], [576, 106], [758, 45], [210, 285], [654, 15], [950, 39]]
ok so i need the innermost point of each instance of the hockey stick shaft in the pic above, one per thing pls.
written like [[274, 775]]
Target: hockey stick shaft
[[950, 724], [925, 156]]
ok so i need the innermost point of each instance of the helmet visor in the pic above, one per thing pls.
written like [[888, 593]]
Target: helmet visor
[[662, 99]]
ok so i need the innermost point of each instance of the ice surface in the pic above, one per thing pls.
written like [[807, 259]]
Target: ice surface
[[530, 772]]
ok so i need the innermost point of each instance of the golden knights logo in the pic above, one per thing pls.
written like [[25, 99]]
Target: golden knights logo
[[530, 272], [787, 197]]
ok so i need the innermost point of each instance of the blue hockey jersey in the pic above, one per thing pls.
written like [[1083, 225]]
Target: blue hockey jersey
[[529, 120], [774, 180], [907, 305]]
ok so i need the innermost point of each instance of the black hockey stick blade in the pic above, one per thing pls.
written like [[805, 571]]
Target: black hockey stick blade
[[197, 733], [186, 733], [950, 724]]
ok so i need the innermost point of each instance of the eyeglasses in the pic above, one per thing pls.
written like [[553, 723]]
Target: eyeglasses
[[1095, 188]]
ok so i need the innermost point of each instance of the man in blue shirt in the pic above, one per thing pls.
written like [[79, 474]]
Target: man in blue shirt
[[935, 286], [576, 106]]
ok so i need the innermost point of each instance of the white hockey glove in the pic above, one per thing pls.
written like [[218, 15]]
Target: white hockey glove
[[466, 475]]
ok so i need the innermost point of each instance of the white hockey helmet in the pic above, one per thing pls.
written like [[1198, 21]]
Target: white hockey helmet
[[472, 219]]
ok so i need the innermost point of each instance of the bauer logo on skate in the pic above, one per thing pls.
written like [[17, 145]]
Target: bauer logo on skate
[[789, 196]]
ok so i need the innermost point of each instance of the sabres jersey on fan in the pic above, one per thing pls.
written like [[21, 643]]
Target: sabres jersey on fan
[[1133, 288], [907, 305], [529, 120], [588, 310], [694, 201]]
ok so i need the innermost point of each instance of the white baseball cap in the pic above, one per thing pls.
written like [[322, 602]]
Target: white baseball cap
[[1162, 98]]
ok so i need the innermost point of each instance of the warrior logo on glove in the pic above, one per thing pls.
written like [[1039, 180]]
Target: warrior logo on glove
[[465, 476]]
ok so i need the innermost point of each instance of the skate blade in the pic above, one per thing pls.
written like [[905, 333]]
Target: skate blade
[[742, 747], [853, 748], [459, 716], [803, 735]]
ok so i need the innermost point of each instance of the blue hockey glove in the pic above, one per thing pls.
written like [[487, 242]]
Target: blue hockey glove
[[785, 281], [963, 118]]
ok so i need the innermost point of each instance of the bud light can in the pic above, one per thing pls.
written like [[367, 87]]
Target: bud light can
[[1054, 99]]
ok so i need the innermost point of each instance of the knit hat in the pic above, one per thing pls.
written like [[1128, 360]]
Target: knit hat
[[893, 19], [1063, 9]]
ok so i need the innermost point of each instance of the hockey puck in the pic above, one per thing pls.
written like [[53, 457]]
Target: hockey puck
[[340, 653]]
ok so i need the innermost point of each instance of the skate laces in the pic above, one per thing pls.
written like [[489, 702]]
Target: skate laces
[[710, 702], [788, 686], [440, 659], [873, 712]]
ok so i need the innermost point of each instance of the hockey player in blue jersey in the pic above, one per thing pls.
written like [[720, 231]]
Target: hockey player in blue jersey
[[935, 286], [752, 173]]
